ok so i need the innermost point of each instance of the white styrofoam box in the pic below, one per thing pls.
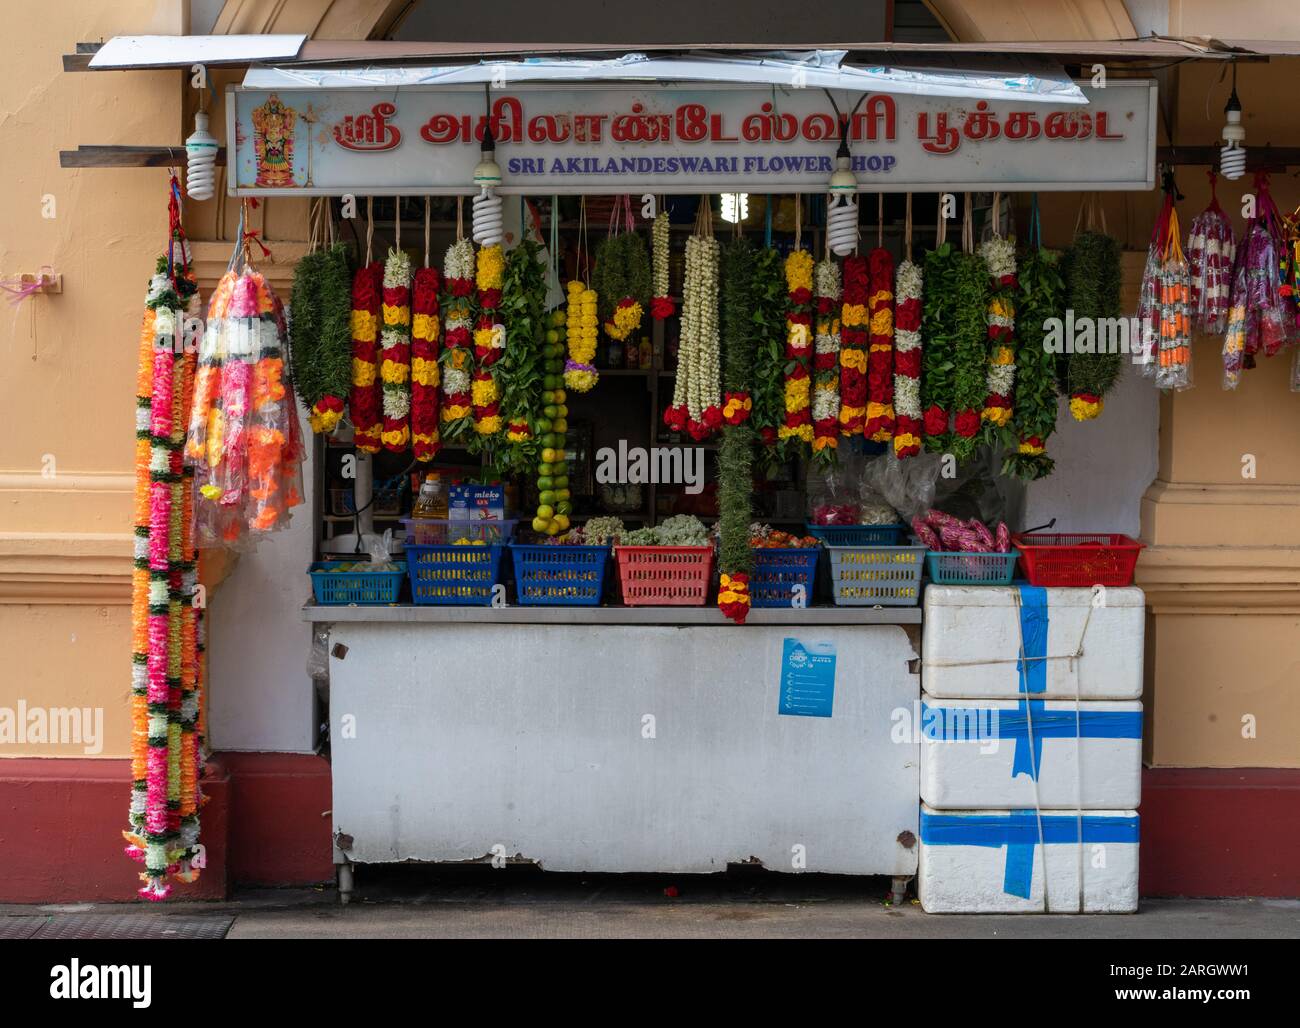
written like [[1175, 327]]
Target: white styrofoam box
[[977, 753], [990, 862], [973, 635]]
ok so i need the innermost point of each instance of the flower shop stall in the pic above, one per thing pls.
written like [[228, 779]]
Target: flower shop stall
[[635, 396]]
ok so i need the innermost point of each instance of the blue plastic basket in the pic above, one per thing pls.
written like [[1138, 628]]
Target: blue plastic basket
[[559, 576], [971, 568], [857, 535], [777, 572], [334, 588], [451, 575]]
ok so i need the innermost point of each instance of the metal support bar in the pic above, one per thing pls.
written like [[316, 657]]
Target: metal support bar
[[129, 157]]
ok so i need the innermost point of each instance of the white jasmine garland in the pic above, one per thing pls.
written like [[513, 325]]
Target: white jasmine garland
[[659, 253], [459, 261], [698, 355], [455, 381]]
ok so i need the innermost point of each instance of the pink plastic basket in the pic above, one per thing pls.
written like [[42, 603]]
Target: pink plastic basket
[[665, 576]]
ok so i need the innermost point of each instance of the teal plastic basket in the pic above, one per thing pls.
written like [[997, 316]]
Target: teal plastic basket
[[453, 576], [971, 568], [857, 535], [559, 576], [334, 588], [871, 576]]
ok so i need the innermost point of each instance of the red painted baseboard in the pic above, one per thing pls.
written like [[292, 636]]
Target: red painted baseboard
[[1220, 832], [61, 821]]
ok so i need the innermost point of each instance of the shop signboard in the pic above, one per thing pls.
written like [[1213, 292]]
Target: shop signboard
[[681, 138]]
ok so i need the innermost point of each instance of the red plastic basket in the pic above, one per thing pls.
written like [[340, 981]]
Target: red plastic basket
[[1079, 559], [665, 576]]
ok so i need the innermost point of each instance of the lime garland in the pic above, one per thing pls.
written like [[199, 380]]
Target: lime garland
[[736, 458], [1092, 277], [1041, 297]]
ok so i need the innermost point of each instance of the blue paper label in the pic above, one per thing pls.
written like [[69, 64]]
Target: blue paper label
[[807, 679]]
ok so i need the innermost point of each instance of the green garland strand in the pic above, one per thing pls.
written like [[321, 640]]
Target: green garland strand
[[622, 270], [939, 330], [520, 375], [1041, 298], [768, 327], [736, 458], [320, 330], [969, 350], [1092, 276]]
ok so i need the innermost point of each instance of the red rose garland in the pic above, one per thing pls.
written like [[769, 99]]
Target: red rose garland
[[425, 373], [798, 424], [880, 360], [1000, 256], [854, 339], [364, 399], [395, 352], [907, 361], [458, 356]]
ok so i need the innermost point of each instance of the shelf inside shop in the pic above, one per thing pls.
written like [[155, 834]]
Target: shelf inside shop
[[708, 616]]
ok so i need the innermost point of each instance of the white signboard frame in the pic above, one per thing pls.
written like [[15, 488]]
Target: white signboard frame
[[680, 138]]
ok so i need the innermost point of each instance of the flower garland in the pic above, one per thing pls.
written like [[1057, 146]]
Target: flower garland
[[622, 283], [798, 422], [533, 354], [999, 256], [457, 353], [939, 327], [166, 732], [697, 403], [1093, 283], [970, 353], [580, 373], [364, 398], [855, 321], [826, 361], [1261, 314], [736, 457], [321, 347], [768, 379], [661, 304], [395, 353], [426, 374], [907, 361], [489, 342], [1211, 250], [880, 360], [1041, 300]]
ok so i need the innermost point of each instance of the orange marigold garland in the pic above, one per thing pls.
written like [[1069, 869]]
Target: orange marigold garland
[[1000, 256], [425, 371], [489, 342], [395, 353], [364, 399], [880, 359], [854, 323], [798, 424]]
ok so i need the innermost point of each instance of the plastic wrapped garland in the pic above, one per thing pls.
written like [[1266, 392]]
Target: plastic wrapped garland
[[244, 440], [1211, 250], [1259, 320]]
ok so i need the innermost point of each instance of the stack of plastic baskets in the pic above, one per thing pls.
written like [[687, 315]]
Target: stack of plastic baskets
[[559, 576], [341, 583], [664, 576], [454, 563], [783, 575], [870, 576]]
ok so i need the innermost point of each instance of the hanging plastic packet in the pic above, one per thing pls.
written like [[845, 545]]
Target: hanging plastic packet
[[1211, 250], [1164, 303], [1258, 318]]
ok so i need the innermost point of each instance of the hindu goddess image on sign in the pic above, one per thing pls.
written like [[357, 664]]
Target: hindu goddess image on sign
[[273, 124]]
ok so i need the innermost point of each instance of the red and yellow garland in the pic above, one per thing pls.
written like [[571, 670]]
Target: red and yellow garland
[[1000, 256], [907, 361], [489, 341], [364, 399], [395, 355], [854, 322], [733, 596], [425, 372], [458, 354], [880, 361], [798, 349]]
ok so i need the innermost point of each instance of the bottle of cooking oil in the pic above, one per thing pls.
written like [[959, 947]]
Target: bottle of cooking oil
[[432, 501]]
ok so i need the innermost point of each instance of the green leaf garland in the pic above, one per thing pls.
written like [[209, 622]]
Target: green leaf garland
[[969, 352], [1041, 297], [939, 330], [767, 325], [1092, 277], [321, 334], [520, 375]]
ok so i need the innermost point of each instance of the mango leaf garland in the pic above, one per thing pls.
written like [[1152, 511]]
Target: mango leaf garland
[[523, 310], [1040, 298], [1092, 280], [970, 352], [321, 335], [768, 328], [735, 461], [622, 280], [939, 329]]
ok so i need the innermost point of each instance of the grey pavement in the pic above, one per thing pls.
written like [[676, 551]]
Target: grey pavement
[[642, 907]]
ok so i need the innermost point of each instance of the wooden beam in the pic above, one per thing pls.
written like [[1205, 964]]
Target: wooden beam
[[129, 157], [1258, 158]]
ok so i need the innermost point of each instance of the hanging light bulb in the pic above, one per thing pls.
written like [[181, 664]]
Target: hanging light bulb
[[1232, 158], [735, 207], [842, 208], [201, 170], [487, 205]]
